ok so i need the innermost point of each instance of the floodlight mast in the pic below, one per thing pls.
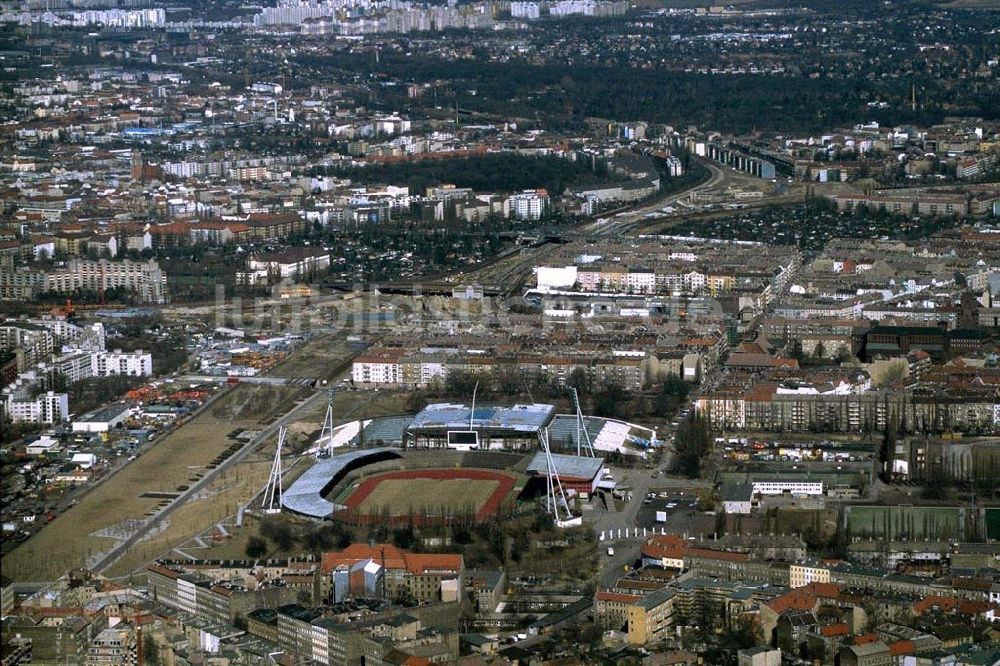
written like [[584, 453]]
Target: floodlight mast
[[273, 490], [581, 426], [553, 486], [326, 433]]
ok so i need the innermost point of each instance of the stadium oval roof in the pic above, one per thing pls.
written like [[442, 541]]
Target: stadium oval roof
[[305, 496]]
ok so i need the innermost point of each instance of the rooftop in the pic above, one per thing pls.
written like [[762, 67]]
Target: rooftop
[[305, 496], [566, 466], [448, 416]]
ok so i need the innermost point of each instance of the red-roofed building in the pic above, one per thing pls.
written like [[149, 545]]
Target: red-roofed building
[[424, 577], [807, 598], [831, 630], [611, 608], [664, 550], [170, 235], [901, 648]]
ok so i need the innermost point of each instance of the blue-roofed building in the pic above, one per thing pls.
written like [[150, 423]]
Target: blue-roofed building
[[447, 425]]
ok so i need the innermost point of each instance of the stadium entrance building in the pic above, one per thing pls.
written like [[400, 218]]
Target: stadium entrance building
[[578, 473]]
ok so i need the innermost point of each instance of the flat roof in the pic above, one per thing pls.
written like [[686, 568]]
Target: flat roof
[[655, 599], [104, 414], [570, 467], [451, 416]]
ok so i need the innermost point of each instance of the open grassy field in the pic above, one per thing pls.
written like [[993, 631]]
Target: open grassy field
[[102, 516], [427, 496], [920, 523], [431, 493]]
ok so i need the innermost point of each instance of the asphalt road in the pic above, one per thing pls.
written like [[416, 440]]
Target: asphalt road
[[626, 550]]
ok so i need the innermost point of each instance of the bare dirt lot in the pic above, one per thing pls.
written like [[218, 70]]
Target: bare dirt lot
[[352, 405], [102, 516], [322, 357]]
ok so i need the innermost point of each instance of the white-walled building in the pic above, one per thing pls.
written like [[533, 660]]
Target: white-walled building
[[103, 419], [48, 407], [801, 574], [297, 262], [529, 204], [525, 10], [136, 364], [794, 486], [737, 498], [380, 367]]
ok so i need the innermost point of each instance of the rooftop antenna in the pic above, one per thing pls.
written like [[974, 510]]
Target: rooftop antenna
[[273, 489], [581, 426], [326, 433]]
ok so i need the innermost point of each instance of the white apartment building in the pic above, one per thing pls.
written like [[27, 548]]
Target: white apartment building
[[382, 368], [529, 204], [525, 10], [293, 263], [136, 364], [74, 366], [641, 281], [32, 343], [46, 408], [142, 278]]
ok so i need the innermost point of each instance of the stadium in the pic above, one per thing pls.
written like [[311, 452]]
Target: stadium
[[451, 462]]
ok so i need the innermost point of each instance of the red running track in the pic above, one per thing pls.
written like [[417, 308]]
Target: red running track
[[489, 509]]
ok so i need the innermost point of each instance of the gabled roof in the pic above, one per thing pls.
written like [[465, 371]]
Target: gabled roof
[[392, 558]]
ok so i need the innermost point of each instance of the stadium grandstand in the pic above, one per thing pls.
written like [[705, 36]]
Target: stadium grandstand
[[446, 425], [566, 431], [387, 430], [307, 496], [501, 428]]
